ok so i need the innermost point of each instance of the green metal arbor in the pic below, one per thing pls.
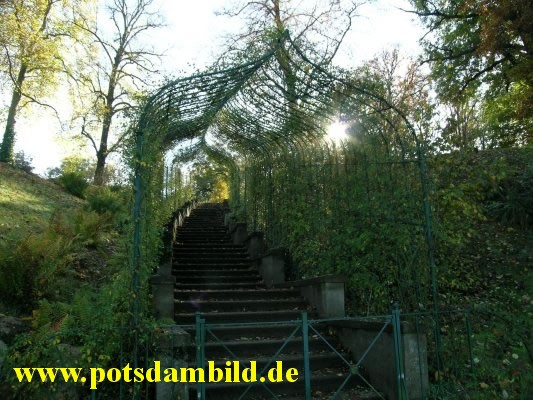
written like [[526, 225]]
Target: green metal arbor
[[266, 120]]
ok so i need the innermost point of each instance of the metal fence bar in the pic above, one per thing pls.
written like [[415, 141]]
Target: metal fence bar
[[307, 369], [200, 353], [469, 339], [398, 352]]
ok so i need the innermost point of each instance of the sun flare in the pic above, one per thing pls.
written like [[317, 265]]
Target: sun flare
[[336, 132]]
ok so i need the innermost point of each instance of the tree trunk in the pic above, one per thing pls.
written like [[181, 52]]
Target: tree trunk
[[99, 178], [101, 154], [8, 141]]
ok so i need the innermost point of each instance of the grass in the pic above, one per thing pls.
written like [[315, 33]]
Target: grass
[[27, 202]]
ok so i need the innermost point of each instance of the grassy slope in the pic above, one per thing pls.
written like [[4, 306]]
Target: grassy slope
[[27, 202]]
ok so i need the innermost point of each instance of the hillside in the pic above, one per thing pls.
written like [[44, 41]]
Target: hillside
[[27, 202]]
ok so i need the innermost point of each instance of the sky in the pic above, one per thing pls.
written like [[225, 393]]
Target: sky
[[193, 35]]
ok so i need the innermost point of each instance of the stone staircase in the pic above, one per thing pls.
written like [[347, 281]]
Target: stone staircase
[[217, 278]]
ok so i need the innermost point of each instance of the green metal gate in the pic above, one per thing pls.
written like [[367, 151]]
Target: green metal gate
[[304, 328]]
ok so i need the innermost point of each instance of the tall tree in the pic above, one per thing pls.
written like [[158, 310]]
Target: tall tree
[[317, 26], [33, 38], [108, 86], [481, 47]]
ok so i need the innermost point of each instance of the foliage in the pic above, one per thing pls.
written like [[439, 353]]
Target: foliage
[[33, 36], [481, 49], [74, 183], [220, 191], [31, 268], [23, 162], [73, 174], [104, 200], [113, 174], [512, 200], [27, 268], [355, 210], [73, 164], [75, 279], [209, 180], [337, 211]]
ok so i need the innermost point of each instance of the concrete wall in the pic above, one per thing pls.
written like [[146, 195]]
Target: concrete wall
[[324, 293], [379, 363]]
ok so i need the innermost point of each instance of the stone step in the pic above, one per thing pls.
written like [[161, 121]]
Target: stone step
[[231, 254], [187, 226], [211, 246], [327, 382], [240, 316], [195, 304], [199, 233], [225, 285], [182, 253], [222, 273], [211, 260], [187, 265], [248, 348], [205, 237], [187, 279], [316, 361], [245, 294], [250, 331], [201, 241]]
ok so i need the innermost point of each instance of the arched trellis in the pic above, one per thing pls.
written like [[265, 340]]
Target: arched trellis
[[258, 114]]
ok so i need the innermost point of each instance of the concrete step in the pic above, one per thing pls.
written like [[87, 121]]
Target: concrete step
[[251, 349], [316, 361], [201, 241], [249, 278], [212, 260], [187, 265], [198, 233], [212, 246], [217, 253], [244, 294], [194, 305], [327, 382], [240, 316], [221, 285], [211, 256], [223, 273], [201, 237], [250, 332]]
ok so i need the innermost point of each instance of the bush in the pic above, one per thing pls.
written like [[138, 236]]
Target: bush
[[26, 271], [23, 162], [42, 265], [74, 183], [513, 201], [104, 200]]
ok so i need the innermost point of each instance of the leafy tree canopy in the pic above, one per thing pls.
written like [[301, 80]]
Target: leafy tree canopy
[[481, 45]]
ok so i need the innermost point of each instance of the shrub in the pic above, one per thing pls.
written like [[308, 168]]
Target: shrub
[[74, 183], [23, 162], [28, 268], [513, 201], [104, 200]]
